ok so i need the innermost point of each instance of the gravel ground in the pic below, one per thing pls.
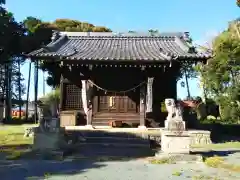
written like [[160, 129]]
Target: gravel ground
[[86, 169]]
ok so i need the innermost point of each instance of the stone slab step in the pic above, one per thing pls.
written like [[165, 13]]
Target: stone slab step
[[106, 141], [98, 134], [116, 141], [96, 150], [102, 138], [107, 144]]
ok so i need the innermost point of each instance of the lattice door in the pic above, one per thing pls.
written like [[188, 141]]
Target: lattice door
[[72, 97]]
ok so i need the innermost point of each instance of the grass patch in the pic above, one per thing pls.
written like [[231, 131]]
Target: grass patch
[[15, 154], [47, 175], [218, 162], [163, 161], [214, 162], [219, 146], [177, 173], [13, 135], [111, 158], [12, 143]]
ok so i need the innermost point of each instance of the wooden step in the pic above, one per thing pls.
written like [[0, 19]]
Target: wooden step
[[106, 123], [116, 115]]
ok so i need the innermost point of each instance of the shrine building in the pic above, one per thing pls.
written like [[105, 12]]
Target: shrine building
[[110, 79]]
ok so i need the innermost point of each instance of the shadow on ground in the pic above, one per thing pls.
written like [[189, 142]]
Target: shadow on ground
[[220, 153], [20, 162], [221, 133]]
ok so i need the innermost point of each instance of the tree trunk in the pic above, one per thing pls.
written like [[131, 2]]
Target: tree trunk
[[188, 90], [19, 89], [43, 83], [28, 88], [8, 89], [36, 91]]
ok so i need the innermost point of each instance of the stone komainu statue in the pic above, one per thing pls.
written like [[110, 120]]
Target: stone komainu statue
[[174, 121], [174, 110]]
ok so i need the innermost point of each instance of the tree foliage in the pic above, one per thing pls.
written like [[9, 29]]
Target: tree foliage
[[12, 36], [221, 75], [40, 34], [238, 3]]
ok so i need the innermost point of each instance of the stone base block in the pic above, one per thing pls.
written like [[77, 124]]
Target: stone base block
[[175, 143], [89, 126], [174, 125], [199, 137], [44, 141], [142, 127]]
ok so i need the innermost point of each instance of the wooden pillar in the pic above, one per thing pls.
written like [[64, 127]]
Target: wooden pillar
[[61, 93], [87, 103], [142, 106], [28, 88]]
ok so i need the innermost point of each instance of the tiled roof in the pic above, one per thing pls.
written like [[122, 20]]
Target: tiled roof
[[121, 47]]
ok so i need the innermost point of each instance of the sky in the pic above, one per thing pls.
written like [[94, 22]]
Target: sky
[[202, 18]]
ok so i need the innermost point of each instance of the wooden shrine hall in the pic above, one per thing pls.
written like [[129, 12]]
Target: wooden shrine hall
[[117, 79]]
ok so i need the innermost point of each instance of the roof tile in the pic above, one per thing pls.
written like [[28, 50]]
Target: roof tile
[[97, 46]]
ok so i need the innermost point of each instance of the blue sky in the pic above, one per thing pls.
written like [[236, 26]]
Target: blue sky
[[202, 18]]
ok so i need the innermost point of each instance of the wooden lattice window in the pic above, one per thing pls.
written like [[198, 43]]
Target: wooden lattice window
[[72, 97]]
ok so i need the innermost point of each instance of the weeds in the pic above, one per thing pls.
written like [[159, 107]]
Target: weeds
[[177, 173], [218, 162]]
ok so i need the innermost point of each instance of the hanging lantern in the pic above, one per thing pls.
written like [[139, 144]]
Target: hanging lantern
[[238, 3]]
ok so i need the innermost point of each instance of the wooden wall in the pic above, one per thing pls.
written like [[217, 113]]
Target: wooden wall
[[119, 79]]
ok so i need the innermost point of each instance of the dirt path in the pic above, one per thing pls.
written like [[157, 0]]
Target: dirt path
[[86, 169]]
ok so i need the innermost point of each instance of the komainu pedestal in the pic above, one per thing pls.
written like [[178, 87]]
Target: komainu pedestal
[[173, 143], [48, 136], [174, 137]]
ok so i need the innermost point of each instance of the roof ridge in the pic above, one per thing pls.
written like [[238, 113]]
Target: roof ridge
[[122, 37], [114, 34]]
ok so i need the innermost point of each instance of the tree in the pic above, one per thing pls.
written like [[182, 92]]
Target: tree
[[51, 102], [2, 2], [238, 3], [153, 32], [187, 70], [222, 73], [11, 48], [11, 36]]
